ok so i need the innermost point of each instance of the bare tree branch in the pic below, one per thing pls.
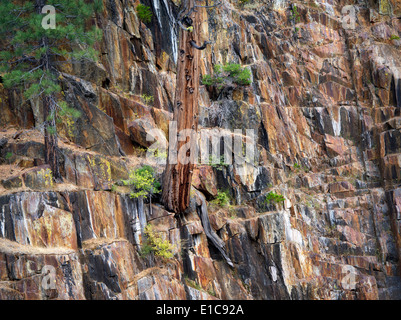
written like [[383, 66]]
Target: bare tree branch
[[203, 47]]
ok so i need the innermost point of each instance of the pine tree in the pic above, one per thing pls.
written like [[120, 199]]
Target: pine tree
[[33, 52]]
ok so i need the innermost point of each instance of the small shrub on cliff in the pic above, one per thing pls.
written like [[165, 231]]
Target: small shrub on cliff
[[147, 98], [294, 14], [143, 182], [208, 80], [155, 243], [160, 155], [8, 157], [144, 13], [114, 188], [394, 37], [211, 292], [217, 162], [139, 151], [192, 284], [222, 199], [228, 74], [274, 198]]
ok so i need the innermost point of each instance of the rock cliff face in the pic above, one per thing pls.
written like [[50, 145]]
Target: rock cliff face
[[325, 101]]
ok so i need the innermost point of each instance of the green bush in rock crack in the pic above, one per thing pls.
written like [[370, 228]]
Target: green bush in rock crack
[[143, 182], [231, 73], [144, 13], [222, 199], [274, 198], [154, 243]]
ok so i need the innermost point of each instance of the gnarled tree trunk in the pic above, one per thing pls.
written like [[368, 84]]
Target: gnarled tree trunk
[[177, 177], [51, 141], [49, 109]]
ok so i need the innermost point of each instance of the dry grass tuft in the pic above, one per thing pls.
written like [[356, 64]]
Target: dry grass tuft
[[11, 247]]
